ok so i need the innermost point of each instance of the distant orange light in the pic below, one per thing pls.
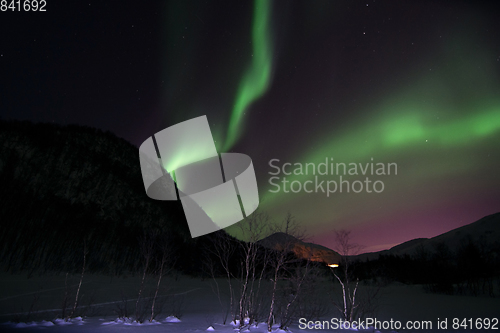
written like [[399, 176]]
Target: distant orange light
[[333, 265]]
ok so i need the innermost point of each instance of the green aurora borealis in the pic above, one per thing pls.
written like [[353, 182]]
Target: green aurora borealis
[[256, 80], [370, 85], [431, 153]]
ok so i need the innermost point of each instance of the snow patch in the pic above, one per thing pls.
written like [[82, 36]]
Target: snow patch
[[171, 319], [62, 322]]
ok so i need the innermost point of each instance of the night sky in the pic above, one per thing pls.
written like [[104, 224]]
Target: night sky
[[416, 83]]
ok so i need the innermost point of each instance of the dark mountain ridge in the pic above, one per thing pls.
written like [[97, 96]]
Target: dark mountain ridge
[[66, 186], [484, 232], [309, 251], [463, 261]]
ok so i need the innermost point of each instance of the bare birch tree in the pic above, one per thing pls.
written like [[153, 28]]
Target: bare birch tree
[[223, 248], [164, 265], [349, 285], [146, 243], [253, 229], [280, 258], [85, 251], [284, 262]]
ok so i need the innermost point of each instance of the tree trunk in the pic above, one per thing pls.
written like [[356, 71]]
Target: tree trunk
[[81, 280]]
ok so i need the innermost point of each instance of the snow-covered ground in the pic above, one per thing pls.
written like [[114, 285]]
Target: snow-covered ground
[[28, 305], [170, 324]]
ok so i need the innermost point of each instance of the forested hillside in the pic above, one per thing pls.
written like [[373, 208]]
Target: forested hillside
[[66, 188]]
